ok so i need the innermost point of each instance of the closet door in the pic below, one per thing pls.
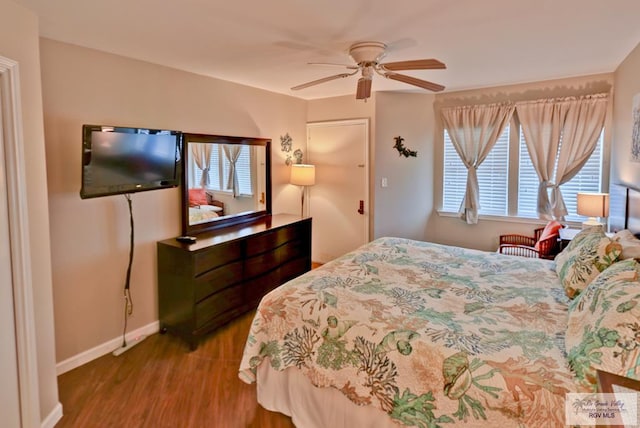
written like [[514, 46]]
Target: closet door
[[339, 201]]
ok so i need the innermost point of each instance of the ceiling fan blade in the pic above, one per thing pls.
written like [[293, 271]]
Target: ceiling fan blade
[[415, 82], [323, 80], [418, 64], [334, 64], [364, 89]]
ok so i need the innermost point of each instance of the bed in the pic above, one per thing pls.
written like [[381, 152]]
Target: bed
[[410, 333]]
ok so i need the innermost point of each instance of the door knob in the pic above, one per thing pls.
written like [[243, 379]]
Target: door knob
[[361, 208]]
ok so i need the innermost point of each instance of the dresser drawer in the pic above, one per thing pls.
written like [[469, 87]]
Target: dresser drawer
[[262, 263], [257, 287], [294, 268], [270, 240], [225, 300], [292, 250], [215, 256], [218, 278]]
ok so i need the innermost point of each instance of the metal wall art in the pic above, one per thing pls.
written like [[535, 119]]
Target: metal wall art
[[286, 145], [402, 150], [635, 131]]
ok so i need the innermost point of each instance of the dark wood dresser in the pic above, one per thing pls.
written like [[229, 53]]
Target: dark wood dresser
[[204, 285]]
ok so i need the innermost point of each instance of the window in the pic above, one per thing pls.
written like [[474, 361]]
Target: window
[[219, 171], [494, 175]]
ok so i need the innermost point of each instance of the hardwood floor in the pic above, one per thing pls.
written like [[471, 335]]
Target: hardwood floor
[[159, 383]]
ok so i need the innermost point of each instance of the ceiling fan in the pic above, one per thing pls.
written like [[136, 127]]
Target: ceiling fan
[[367, 56]]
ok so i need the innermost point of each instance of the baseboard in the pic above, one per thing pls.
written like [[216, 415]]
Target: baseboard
[[105, 348], [53, 418]]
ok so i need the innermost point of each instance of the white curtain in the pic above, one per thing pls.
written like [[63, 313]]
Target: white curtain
[[232, 153], [560, 134], [202, 157], [474, 131]]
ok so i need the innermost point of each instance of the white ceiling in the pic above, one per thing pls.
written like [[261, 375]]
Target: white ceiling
[[267, 44]]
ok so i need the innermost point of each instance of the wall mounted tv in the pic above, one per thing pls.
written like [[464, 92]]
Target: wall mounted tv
[[117, 160]]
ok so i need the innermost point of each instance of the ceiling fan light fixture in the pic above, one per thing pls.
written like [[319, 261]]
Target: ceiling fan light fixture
[[364, 88], [367, 52]]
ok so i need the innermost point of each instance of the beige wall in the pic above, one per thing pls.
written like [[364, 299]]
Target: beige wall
[[19, 42], [485, 235], [627, 85], [90, 238], [403, 208]]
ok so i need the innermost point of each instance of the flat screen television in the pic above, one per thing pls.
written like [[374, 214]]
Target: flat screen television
[[117, 160]]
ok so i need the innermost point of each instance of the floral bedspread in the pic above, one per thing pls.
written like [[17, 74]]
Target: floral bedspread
[[198, 215], [433, 335]]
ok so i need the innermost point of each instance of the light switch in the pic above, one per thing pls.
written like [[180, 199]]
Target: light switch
[[384, 182]]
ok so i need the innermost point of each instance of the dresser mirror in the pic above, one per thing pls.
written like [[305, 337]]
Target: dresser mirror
[[226, 180]]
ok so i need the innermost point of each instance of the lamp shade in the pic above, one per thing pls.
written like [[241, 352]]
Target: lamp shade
[[303, 175], [593, 204]]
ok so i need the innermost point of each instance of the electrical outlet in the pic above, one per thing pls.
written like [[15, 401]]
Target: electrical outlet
[[384, 182]]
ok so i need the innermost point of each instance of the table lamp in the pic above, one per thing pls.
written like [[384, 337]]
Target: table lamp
[[593, 205], [303, 175]]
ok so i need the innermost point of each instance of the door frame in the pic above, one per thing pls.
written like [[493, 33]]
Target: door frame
[[367, 194], [12, 143]]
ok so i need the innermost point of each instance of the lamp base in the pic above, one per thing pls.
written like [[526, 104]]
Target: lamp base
[[590, 222]]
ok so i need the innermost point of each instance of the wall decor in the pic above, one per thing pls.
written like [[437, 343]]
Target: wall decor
[[286, 145], [635, 131], [286, 142], [402, 150]]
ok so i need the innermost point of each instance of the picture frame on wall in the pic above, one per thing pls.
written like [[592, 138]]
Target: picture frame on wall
[[610, 383], [635, 132]]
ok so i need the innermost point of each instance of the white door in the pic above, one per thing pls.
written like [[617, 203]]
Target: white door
[[9, 392], [338, 202]]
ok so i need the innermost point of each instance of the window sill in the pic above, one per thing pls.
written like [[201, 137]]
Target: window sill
[[508, 219], [229, 193]]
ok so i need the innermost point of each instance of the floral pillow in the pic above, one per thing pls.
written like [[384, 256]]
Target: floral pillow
[[589, 253], [604, 325]]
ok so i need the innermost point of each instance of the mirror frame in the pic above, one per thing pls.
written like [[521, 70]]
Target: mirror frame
[[196, 229]]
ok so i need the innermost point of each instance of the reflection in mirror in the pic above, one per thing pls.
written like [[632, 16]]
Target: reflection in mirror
[[226, 181]]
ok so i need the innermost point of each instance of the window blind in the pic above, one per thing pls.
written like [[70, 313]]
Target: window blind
[[492, 177]]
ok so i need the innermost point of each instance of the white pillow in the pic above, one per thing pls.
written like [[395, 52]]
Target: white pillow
[[630, 244], [210, 208]]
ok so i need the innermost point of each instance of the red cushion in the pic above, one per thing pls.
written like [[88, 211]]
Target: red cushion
[[551, 229], [197, 197]]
